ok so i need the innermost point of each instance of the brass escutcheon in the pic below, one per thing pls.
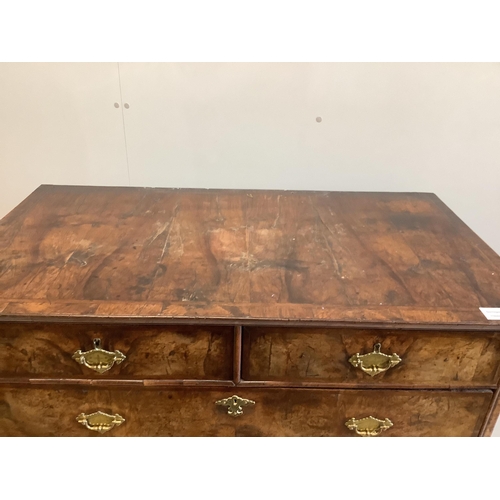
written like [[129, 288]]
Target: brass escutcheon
[[99, 421], [374, 362], [368, 426], [235, 405], [98, 359]]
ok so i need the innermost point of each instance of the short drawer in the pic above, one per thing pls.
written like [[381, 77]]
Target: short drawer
[[337, 356], [260, 412], [135, 351]]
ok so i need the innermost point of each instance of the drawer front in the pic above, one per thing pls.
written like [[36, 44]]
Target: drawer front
[[276, 412], [430, 358], [163, 352]]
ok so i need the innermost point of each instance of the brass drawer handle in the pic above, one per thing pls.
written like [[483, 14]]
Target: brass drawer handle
[[235, 405], [374, 362], [99, 421], [98, 359], [368, 426]]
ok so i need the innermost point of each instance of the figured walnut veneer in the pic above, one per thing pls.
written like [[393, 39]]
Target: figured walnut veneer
[[277, 412], [318, 354], [102, 252], [261, 294], [162, 352]]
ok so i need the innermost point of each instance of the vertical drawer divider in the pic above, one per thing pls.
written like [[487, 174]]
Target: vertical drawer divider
[[237, 355]]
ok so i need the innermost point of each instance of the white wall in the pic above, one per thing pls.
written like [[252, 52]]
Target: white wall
[[58, 125], [385, 127]]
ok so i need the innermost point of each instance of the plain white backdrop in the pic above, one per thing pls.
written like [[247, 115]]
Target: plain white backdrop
[[224, 30], [429, 127]]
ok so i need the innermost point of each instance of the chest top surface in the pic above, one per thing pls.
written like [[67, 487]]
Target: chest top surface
[[243, 256]]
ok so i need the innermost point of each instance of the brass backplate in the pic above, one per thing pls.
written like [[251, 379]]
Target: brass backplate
[[99, 421], [98, 359], [374, 362], [235, 405], [368, 426]]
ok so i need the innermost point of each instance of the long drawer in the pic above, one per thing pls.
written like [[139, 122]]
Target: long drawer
[[54, 350], [372, 357], [254, 412]]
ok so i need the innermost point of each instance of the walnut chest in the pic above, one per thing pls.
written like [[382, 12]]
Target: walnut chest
[[184, 312]]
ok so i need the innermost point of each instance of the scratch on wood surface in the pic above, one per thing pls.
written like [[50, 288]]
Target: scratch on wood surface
[[279, 213], [170, 223], [159, 231], [247, 242], [69, 257], [338, 267]]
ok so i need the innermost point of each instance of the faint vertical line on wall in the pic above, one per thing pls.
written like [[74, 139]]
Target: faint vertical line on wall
[[123, 121]]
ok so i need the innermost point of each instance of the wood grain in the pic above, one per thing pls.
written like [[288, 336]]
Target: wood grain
[[400, 258], [277, 412], [430, 358], [169, 352], [491, 416], [199, 287]]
